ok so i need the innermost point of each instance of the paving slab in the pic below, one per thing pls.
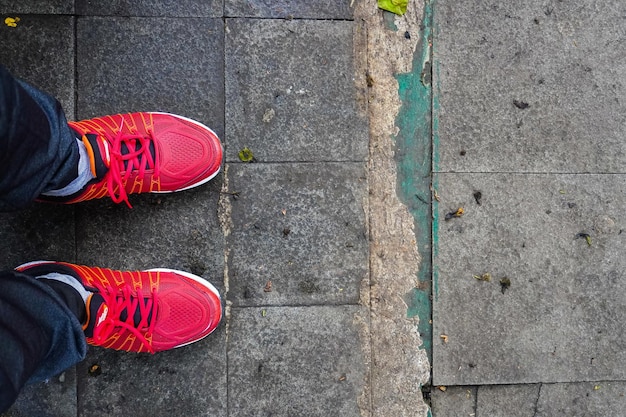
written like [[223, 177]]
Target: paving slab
[[302, 9], [507, 400], [297, 361], [179, 8], [54, 398], [178, 231], [189, 381], [298, 234], [559, 239], [40, 232], [531, 86], [36, 7], [582, 399], [291, 94], [40, 50], [151, 64], [455, 401]]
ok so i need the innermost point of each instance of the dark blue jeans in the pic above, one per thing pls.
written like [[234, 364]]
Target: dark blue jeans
[[38, 151], [39, 335]]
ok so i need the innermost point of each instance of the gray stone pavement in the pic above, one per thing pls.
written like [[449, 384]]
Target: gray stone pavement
[[531, 142], [529, 127], [277, 77]]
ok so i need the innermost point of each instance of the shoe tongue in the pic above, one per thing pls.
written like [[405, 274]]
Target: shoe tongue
[[100, 149], [99, 311], [125, 149], [101, 157]]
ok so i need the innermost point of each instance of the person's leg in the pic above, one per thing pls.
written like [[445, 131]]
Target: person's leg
[[49, 311], [136, 311], [41, 336], [38, 150], [43, 158]]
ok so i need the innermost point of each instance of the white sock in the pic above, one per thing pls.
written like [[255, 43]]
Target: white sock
[[71, 281], [84, 175]]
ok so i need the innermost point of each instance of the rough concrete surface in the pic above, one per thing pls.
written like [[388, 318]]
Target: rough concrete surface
[[37, 7], [534, 86], [528, 139], [455, 401], [507, 400], [564, 290], [42, 400], [298, 235], [313, 9], [182, 71], [601, 398], [300, 362], [42, 48], [40, 232], [528, 110], [179, 8], [291, 93], [188, 381], [399, 368]]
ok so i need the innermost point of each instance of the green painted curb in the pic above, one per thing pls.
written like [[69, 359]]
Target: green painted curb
[[414, 158]]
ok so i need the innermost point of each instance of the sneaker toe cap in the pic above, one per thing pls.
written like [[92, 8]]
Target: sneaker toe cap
[[185, 317], [187, 155]]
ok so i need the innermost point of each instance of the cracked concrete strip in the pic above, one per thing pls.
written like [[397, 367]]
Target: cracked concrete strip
[[224, 212], [399, 367]]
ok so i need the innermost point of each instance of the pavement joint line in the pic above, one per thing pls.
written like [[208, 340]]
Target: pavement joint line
[[290, 18], [476, 390], [294, 162], [357, 304], [538, 398], [530, 173], [513, 384]]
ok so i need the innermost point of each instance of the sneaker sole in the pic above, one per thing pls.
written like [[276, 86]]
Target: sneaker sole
[[195, 122], [27, 264]]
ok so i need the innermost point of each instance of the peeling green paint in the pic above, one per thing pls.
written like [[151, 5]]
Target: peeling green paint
[[435, 182], [389, 19], [415, 163]]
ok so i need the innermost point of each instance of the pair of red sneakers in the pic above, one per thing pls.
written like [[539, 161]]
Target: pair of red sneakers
[[157, 309]]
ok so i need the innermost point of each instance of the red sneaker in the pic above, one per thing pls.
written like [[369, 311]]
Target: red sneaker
[[145, 153], [141, 311]]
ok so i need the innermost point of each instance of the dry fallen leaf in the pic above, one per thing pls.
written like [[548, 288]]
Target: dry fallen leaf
[[484, 277], [458, 213], [11, 21]]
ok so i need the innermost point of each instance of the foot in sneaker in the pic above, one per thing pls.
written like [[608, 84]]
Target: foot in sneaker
[[141, 311], [144, 153]]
